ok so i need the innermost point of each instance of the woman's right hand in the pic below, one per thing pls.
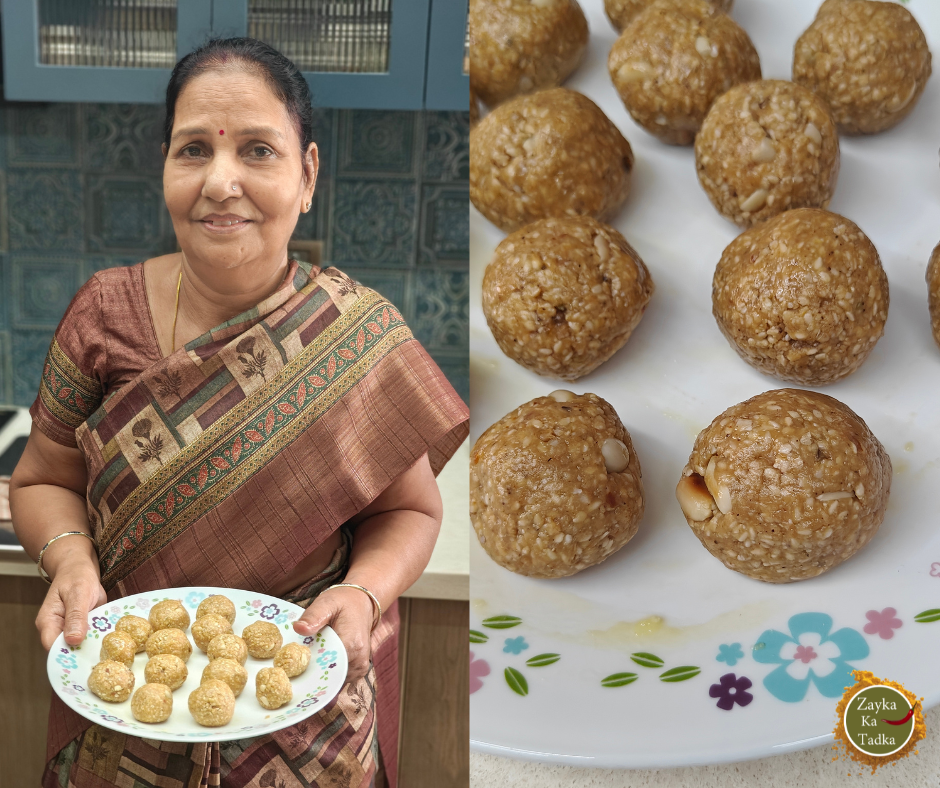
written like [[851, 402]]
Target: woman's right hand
[[75, 591]]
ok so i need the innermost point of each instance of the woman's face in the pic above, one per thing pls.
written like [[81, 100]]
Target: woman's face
[[233, 178]]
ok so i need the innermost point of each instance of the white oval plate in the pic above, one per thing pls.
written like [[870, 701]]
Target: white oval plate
[[69, 667], [673, 377]]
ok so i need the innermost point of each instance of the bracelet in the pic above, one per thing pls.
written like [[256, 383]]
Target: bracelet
[[42, 572], [375, 601]]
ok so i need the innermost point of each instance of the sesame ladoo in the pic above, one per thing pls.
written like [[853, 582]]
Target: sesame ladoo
[[785, 486]]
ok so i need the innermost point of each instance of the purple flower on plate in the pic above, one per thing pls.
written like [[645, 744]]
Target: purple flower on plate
[[332, 664], [78, 688], [307, 702], [882, 624], [270, 611], [730, 690], [101, 623], [308, 640]]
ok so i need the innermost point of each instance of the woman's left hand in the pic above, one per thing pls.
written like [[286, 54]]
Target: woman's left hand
[[350, 613]]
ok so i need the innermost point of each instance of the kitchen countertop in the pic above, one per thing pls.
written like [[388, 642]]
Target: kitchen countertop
[[447, 575], [806, 769]]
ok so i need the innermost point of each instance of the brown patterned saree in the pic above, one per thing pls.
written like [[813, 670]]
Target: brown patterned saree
[[227, 462]]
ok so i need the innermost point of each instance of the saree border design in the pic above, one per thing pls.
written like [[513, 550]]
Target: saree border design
[[65, 401], [210, 469]]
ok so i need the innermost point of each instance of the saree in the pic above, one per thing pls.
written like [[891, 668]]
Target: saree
[[227, 462]]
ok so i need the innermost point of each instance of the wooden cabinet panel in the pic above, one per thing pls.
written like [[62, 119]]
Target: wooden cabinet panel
[[24, 688], [435, 725]]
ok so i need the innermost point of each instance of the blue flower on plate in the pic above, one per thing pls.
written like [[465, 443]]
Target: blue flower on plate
[[809, 654], [193, 598], [515, 645], [270, 611], [326, 658], [280, 618], [730, 653], [66, 661]]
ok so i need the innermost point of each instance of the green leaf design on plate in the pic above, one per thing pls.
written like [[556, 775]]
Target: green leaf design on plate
[[541, 660], [928, 616], [502, 622], [680, 674], [516, 681], [478, 637], [647, 660], [618, 679]]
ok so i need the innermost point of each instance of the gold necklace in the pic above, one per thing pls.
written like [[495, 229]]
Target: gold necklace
[[176, 311]]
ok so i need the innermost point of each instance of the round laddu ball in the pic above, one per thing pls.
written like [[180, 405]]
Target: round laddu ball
[[272, 688], [118, 646], [561, 296], [152, 703], [212, 703], [674, 60], [551, 153], [111, 681], [207, 627], [555, 486], [869, 61], [217, 605], [263, 639], [169, 641], [228, 670], [785, 486], [228, 645], [802, 297], [622, 12], [766, 147], [292, 659], [517, 46], [169, 614], [137, 627], [166, 669], [933, 292]]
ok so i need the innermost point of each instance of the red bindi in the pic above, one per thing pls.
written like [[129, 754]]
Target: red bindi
[[221, 131]]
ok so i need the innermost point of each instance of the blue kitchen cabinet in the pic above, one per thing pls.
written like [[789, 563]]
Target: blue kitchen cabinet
[[364, 54]]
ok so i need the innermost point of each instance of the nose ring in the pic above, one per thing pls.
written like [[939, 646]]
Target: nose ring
[[234, 188]]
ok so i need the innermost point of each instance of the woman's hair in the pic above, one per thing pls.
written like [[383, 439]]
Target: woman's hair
[[282, 76]]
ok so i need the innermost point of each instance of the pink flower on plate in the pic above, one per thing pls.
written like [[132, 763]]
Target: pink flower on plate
[[478, 669], [882, 624], [935, 569], [256, 603], [805, 654]]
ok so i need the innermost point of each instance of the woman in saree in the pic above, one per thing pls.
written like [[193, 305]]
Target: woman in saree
[[227, 416]]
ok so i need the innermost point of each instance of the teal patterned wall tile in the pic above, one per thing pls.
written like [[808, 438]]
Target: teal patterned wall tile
[[42, 289], [127, 213], [29, 355], [324, 134], [6, 287], [446, 146], [373, 142], [373, 223], [42, 135], [6, 368], [123, 137], [45, 210], [395, 285], [444, 236], [442, 311]]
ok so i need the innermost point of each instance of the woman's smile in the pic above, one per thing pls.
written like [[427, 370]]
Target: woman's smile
[[224, 224]]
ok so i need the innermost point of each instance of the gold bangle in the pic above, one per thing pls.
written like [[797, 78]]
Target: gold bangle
[[375, 601], [42, 572]]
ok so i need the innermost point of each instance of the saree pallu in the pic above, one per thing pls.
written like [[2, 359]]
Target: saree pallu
[[227, 462]]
